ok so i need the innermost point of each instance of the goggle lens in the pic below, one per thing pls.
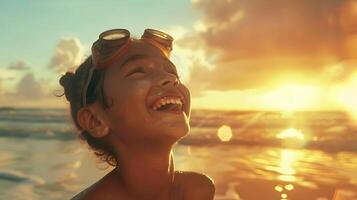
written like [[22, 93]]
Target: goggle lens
[[115, 34]]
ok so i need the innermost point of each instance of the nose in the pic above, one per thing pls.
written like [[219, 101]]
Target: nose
[[167, 78]]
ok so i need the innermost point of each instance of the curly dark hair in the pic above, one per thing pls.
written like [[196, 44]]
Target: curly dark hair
[[73, 84]]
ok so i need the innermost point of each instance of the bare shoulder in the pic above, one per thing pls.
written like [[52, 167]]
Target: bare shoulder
[[196, 185]]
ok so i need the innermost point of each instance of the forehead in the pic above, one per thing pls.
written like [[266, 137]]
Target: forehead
[[145, 58], [140, 51]]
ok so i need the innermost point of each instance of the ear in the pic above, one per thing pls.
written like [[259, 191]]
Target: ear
[[92, 120]]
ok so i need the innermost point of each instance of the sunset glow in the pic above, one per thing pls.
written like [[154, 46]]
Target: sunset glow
[[224, 71]]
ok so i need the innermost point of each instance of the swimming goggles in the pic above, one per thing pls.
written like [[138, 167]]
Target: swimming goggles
[[113, 44]]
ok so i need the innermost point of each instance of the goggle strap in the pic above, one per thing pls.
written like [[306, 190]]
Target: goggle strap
[[117, 54], [86, 85]]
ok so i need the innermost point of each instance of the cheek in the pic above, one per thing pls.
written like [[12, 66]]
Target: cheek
[[129, 102], [128, 92], [186, 92]]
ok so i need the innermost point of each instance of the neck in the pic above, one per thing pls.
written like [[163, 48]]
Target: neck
[[146, 171]]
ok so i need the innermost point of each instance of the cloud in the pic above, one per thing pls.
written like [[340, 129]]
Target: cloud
[[68, 54], [189, 60], [29, 91], [18, 65], [28, 88], [1, 87], [7, 74], [187, 54], [265, 43], [250, 28]]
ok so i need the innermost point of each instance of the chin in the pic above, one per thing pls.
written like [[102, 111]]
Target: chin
[[174, 134]]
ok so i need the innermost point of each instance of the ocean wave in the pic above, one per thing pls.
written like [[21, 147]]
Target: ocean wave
[[199, 118], [264, 119], [38, 133], [330, 144], [198, 137], [331, 130], [19, 177], [34, 117]]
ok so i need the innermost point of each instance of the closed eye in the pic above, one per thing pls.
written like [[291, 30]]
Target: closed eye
[[138, 70], [174, 73], [172, 69]]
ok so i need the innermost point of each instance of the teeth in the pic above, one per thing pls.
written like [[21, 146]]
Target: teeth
[[167, 100]]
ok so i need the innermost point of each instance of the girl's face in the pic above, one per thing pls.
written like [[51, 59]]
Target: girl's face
[[135, 86]]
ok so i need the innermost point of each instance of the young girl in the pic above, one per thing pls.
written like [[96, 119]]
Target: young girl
[[131, 108]]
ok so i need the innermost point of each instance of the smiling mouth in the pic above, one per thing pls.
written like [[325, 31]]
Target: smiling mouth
[[168, 104]]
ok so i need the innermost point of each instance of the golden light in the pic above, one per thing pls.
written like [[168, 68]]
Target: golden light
[[288, 159], [224, 133], [291, 97], [291, 133]]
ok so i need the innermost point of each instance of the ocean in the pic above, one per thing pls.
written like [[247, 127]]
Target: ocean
[[251, 155]]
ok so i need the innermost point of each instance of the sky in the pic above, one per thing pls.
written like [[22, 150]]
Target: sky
[[232, 54]]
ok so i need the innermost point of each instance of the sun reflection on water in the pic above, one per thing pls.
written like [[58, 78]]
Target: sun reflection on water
[[284, 190], [289, 187], [286, 168]]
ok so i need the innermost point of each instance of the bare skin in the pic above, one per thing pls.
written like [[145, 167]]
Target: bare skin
[[142, 138]]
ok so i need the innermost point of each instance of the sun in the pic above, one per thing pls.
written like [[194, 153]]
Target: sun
[[291, 133], [292, 138]]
